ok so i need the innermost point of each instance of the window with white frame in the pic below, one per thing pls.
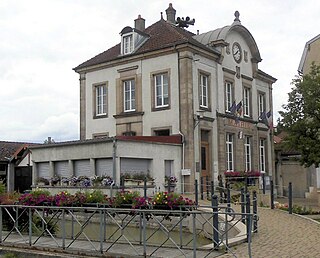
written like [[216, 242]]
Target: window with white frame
[[262, 155], [228, 95], [161, 90], [247, 152], [129, 95], [127, 44], [204, 90], [246, 101], [229, 151], [101, 100], [261, 103]]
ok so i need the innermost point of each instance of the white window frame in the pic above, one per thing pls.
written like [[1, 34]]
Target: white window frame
[[262, 155], [229, 152], [247, 151], [204, 79], [246, 101], [164, 97], [129, 92], [127, 44], [261, 103], [101, 99], [228, 95]]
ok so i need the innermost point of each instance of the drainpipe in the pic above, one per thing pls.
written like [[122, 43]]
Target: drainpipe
[[182, 177], [114, 161]]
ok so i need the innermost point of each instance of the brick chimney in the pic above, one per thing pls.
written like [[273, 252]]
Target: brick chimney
[[171, 14], [140, 23]]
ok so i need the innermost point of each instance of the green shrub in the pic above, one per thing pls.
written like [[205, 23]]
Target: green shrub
[[2, 187], [97, 196]]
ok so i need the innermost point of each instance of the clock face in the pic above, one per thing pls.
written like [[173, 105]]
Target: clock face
[[236, 52]]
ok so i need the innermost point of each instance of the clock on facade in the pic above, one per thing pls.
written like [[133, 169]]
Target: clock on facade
[[237, 52]]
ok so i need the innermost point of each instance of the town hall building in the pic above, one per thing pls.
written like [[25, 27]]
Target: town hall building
[[190, 105]]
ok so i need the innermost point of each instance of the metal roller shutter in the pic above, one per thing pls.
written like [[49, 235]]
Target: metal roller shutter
[[82, 168], [104, 167], [43, 170], [134, 165], [61, 169]]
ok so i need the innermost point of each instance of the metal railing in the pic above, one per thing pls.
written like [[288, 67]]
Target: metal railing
[[143, 232]]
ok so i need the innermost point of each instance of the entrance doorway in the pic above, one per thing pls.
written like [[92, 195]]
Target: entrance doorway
[[23, 179], [205, 161]]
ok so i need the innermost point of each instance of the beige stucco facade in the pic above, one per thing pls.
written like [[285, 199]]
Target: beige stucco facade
[[203, 129]]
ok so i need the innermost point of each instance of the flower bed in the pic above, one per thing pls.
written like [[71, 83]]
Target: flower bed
[[122, 199], [82, 181], [242, 173]]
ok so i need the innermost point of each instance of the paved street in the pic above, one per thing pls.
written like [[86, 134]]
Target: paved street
[[282, 235]]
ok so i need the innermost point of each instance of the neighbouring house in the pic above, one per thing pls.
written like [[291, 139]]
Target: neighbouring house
[[163, 81], [15, 166], [305, 180], [311, 53]]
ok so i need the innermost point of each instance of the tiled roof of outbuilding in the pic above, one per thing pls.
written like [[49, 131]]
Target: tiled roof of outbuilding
[[162, 34], [8, 149]]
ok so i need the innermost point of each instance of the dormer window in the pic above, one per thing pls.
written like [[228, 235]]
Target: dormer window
[[127, 44], [133, 38]]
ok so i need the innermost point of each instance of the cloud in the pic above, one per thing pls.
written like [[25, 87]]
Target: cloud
[[42, 40], [60, 128]]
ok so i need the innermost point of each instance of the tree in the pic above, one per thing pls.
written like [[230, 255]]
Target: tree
[[301, 117]]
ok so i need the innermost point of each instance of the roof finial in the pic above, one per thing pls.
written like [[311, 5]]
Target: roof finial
[[237, 15], [161, 16]]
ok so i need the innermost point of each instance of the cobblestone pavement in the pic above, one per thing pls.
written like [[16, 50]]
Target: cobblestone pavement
[[282, 235]]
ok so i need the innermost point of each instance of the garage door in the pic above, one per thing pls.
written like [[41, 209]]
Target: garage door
[[43, 170], [134, 165], [104, 167], [82, 168], [61, 169]]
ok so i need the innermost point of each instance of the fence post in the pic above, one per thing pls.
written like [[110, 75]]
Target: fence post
[[255, 211], [196, 191], [263, 184], [290, 197], [30, 227], [248, 215], [145, 187], [201, 188], [228, 196], [271, 194], [214, 203], [63, 225], [207, 187], [122, 183], [243, 206], [212, 188]]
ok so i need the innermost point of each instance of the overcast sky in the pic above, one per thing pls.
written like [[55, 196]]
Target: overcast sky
[[42, 40]]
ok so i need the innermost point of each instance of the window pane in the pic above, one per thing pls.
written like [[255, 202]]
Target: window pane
[[161, 90], [129, 95], [101, 99]]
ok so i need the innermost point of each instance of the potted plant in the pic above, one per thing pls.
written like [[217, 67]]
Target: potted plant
[[42, 181], [55, 180], [96, 180], [65, 181]]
